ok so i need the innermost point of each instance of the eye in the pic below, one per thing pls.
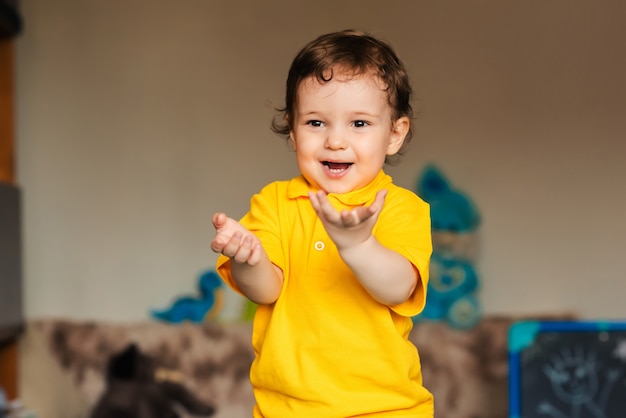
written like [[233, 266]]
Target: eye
[[315, 123], [360, 123]]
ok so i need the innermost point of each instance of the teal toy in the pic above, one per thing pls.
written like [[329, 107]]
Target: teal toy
[[451, 209], [454, 282], [452, 292], [199, 308]]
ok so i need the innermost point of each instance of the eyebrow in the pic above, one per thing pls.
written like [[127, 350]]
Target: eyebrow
[[357, 113]]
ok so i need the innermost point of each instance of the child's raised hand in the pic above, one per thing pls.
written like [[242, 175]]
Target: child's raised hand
[[347, 228], [235, 241]]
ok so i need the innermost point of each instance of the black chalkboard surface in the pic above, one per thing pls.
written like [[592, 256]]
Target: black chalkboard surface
[[573, 369]]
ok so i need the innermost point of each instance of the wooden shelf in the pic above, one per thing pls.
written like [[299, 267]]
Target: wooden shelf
[[8, 369], [7, 158]]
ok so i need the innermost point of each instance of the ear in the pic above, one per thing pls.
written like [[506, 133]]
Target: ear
[[292, 141], [399, 130]]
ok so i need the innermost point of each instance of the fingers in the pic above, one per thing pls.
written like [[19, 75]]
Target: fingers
[[248, 252], [315, 201], [347, 218], [239, 247], [322, 206], [379, 201], [363, 213], [355, 216], [219, 220]]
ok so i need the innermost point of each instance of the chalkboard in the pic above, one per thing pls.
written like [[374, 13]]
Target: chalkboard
[[573, 369]]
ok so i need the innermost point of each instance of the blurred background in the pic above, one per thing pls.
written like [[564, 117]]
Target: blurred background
[[137, 120]]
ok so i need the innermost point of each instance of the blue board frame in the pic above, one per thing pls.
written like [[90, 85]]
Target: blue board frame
[[523, 334]]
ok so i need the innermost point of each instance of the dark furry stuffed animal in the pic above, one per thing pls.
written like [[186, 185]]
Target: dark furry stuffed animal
[[136, 388]]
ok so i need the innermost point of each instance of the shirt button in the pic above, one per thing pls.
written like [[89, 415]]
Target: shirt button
[[319, 245]]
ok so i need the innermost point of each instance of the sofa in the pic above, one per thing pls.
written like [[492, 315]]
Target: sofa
[[63, 363]]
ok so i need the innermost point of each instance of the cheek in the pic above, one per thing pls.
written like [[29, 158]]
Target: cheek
[[371, 152], [304, 148]]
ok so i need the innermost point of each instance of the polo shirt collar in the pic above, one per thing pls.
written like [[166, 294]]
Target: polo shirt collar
[[299, 187]]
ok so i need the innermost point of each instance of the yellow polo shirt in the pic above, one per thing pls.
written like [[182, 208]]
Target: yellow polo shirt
[[326, 348]]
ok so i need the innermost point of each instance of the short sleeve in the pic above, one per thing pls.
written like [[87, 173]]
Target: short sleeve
[[404, 226]]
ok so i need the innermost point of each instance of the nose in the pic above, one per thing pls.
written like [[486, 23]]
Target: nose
[[336, 139]]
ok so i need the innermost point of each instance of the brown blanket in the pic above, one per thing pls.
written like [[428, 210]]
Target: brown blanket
[[467, 371]]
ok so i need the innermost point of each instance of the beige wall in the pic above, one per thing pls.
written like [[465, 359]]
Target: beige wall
[[137, 119]]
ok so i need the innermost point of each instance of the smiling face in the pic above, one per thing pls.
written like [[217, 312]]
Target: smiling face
[[343, 130]]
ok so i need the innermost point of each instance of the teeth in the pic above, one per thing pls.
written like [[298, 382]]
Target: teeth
[[336, 168]]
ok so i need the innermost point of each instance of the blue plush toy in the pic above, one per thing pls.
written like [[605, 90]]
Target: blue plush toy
[[453, 280], [451, 291], [451, 210], [196, 309]]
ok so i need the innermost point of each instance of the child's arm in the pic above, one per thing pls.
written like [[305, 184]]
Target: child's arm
[[388, 276], [257, 278]]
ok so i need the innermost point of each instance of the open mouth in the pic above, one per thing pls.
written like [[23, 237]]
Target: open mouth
[[336, 168]]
